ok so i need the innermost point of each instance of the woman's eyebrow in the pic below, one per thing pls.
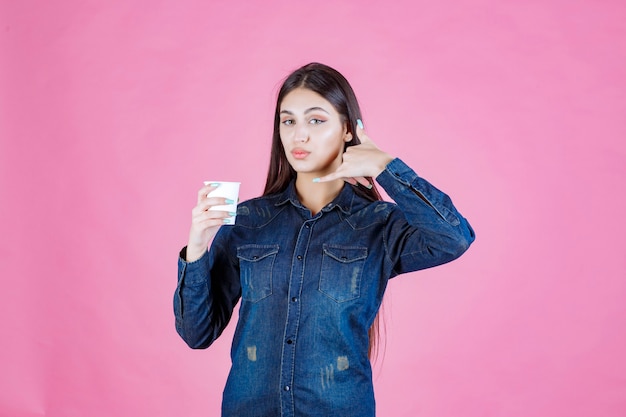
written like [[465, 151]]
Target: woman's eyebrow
[[309, 110], [315, 109]]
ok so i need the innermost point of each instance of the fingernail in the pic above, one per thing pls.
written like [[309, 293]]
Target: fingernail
[[232, 213], [213, 184], [226, 221], [360, 123], [316, 180], [229, 201], [369, 186]]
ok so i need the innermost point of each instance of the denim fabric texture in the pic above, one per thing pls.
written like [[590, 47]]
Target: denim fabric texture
[[310, 287]]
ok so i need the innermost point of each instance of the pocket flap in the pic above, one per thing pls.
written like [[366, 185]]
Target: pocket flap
[[345, 254], [254, 253]]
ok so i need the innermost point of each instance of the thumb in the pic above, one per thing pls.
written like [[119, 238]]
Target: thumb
[[330, 177], [360, 132]]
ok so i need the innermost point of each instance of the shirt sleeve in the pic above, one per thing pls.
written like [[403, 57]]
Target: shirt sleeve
[[208, 290], [426, 229]]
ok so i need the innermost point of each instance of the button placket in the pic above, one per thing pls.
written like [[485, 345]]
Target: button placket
[[296, 281]]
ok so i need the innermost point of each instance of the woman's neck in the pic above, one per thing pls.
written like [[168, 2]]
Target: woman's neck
[[316, 195]]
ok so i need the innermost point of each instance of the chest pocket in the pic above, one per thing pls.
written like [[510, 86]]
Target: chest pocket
[[342, 267], [255, 265]]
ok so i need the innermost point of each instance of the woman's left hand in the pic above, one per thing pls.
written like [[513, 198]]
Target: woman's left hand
[[360, 161]]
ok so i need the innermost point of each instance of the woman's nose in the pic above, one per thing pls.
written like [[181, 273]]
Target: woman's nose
[[302, 134]]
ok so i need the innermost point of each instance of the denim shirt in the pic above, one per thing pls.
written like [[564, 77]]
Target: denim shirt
[[310, 287]]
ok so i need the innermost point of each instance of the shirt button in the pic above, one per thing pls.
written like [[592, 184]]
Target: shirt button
[[308, 226], [286, 388], [289, 342], [294, 299], [299, 257]]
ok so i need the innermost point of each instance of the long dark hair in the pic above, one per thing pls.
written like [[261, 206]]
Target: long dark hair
[[330, 84]]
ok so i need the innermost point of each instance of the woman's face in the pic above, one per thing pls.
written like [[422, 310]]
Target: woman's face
[[312, 133]]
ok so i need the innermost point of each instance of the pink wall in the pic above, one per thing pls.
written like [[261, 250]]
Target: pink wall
[[112, 114]]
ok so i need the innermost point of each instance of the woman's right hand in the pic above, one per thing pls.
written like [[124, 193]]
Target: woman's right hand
[[204, 222]]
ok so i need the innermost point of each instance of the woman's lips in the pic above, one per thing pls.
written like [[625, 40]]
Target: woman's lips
[[299, 153]]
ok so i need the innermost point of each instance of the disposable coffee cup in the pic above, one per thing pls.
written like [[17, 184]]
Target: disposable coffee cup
[[230, 191]]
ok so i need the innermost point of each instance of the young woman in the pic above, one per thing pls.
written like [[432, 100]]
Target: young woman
[[311, 258]]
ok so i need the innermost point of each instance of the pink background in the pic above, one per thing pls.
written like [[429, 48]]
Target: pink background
[[113, 113]]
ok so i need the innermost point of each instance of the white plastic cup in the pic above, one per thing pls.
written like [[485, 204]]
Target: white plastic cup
[[230, 191]]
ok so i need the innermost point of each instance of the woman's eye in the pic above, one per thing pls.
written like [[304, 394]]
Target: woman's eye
[[288, 122], [316, 121]]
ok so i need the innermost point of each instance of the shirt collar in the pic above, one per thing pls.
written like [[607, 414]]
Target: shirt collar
[[343, 201]]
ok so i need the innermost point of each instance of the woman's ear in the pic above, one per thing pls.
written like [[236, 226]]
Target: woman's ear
[[347, 135]]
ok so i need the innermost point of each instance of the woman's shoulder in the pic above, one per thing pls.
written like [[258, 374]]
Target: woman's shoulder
[[258, 211], [366, 213]]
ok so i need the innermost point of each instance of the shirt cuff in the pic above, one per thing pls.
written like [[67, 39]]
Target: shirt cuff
[[396, 176], [194, 272], [402, 184]]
